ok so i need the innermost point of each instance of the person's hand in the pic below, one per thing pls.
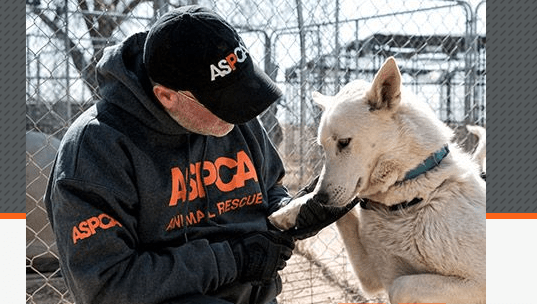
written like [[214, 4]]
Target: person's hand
[[307, 213], [259, 255], [316, 214]]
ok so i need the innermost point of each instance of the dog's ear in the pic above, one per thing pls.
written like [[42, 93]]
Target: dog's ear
[[386, 89], [321, 100], [476, 130], [384, 175]]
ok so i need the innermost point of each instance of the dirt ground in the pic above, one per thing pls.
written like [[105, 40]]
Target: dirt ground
[[319, 272]]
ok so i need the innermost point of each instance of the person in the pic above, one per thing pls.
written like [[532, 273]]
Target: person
[[160, 191]]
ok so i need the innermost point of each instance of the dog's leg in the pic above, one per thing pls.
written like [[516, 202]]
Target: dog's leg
[[349, 230], [432, 288], [285, 218]]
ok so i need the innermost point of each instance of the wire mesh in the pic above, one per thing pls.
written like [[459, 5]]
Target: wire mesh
[[304, 46]]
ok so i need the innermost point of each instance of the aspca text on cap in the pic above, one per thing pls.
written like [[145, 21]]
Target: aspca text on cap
[[227, 65]]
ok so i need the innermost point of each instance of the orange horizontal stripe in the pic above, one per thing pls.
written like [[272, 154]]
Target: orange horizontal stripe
[[511, 216], [12, 216]]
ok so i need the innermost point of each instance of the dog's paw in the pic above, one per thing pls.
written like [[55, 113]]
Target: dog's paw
[[285, 218]]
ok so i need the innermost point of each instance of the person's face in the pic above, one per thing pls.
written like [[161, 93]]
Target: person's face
[[187, 111]]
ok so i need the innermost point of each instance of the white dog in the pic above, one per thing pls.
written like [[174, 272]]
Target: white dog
[[420, 234], [480, 153]]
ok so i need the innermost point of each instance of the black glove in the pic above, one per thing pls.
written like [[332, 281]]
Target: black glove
[[259, 255], [308, 189], [316, 214]]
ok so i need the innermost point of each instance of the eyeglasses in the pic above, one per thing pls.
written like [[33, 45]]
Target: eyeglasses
[[191, 98]]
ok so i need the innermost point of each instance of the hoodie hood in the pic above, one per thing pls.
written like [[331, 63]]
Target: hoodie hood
[[123, 81]]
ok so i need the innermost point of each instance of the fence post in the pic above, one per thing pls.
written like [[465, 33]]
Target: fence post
[[337, 49], [468, 63], [302, 65], [160, 7], [479, 108], [67, 51]]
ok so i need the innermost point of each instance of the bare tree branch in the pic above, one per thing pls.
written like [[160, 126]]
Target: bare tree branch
[[76, 55], [100, 27]]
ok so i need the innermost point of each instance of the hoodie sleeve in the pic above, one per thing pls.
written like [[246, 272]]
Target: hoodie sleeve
[[92, 205], [102, 262]]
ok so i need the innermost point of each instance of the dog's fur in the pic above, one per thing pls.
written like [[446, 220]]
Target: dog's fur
[[434, 251], [480, 152]]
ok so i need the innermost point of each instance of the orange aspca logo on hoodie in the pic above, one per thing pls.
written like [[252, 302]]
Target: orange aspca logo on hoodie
[[89, 227], [243, 164]]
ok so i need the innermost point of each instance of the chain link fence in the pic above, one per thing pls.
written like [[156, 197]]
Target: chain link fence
[[305, 46]]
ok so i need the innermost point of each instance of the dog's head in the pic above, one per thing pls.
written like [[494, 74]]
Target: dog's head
[[372, 134]]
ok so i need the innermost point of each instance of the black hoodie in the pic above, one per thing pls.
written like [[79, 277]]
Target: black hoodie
[[142, 209]]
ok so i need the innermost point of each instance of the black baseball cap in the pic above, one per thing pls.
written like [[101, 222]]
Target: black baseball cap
[[191, 48]]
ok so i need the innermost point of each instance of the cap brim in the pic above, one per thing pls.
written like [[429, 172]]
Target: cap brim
[[247, 97]]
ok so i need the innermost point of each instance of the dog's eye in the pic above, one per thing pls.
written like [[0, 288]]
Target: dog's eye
[[343, 142]]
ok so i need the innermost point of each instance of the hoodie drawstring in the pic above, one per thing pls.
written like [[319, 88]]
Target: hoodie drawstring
[[208, 219], [185, 207]]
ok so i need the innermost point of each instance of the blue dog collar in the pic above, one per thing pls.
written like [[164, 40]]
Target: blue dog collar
[[431, 162]]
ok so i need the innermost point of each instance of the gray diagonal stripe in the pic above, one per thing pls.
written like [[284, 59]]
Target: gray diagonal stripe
[[511, 106], [12, 109]]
